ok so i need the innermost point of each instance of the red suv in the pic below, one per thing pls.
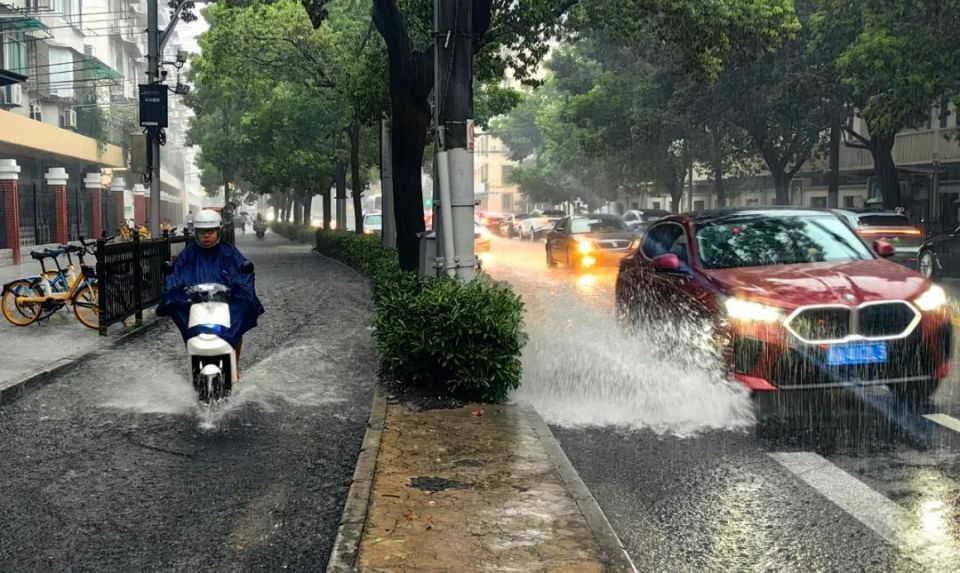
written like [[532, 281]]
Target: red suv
[[799, 300]]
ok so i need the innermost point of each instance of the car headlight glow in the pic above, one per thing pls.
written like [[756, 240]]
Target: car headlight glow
[[934, 298], [740, 309], [584, 247]]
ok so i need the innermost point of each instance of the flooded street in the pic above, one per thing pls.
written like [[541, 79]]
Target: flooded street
[[693, 480], [114, 467]]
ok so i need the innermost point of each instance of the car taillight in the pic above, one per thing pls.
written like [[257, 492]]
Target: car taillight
[[890, 232]]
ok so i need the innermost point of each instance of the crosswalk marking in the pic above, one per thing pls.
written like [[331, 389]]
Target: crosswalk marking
[[884, 517], [945, 421]]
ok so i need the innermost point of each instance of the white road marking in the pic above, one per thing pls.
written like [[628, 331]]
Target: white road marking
[[884, 517], [945, 421]]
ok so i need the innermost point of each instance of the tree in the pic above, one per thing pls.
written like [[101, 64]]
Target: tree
[[895, 60], [515, 35]]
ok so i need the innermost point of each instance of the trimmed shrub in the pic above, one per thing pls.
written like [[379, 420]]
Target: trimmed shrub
[[463, 339]]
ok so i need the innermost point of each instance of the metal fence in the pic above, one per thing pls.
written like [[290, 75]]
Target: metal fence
[[38, 215], [129, 277], [109, 220]]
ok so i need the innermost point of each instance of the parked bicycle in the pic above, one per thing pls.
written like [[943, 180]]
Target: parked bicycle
[[26, 301]]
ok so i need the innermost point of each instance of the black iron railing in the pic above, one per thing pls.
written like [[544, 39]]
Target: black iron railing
[[129, 278]]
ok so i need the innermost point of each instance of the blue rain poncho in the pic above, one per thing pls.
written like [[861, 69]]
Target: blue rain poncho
[[218, 264]]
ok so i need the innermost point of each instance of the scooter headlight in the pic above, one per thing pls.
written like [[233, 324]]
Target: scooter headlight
[[934, 298]]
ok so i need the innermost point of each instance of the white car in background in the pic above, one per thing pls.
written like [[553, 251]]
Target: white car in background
[[373, 223], [539, 223]]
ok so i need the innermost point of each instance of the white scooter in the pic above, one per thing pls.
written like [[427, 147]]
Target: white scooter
[[213, 362]]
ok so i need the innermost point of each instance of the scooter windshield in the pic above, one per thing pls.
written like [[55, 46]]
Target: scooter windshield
[[208, 292]]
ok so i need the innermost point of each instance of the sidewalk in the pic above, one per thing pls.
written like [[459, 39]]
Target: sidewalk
[[32, 349], [478, 488]]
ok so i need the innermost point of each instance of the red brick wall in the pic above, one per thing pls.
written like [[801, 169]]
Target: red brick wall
[[60, 195], [139, 209], [10, 202]]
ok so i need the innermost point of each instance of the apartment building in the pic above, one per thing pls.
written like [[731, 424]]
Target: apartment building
[[492, 170]]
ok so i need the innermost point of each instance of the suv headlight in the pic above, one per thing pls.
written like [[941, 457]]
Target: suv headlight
[[739, 309], [934, 298]]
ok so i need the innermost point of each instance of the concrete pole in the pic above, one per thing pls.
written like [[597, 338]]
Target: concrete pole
[[389, 225], [118, 188], [153, 75], [453, 87]]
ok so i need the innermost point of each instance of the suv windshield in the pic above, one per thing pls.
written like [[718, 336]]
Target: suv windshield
[[374, 219], [755, 240], [597, 225]]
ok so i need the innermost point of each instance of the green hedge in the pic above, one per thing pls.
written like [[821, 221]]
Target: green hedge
[[463, 339], [301, 233]]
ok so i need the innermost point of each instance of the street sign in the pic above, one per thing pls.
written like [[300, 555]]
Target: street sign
[[153, 105]]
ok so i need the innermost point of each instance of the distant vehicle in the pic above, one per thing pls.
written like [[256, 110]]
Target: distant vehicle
[[583, 241], [798, 300], [510, 227], [940, 256], [639, 219], [481, 237], [373, 223], [538, 223], [890, 226], [491, 220]]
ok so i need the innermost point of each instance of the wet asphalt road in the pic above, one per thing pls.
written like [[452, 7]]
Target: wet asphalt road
[[691, 481], [113, 467]]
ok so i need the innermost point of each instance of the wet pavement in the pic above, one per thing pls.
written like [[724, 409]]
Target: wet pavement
[[689, 478], [114, 467]]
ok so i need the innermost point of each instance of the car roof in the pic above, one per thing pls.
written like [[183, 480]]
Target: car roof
[[713, 214], [595, 216]]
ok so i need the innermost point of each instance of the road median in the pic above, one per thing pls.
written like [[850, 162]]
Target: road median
[[472, 488]]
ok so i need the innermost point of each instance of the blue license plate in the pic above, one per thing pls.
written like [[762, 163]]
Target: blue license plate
[[858, 353]]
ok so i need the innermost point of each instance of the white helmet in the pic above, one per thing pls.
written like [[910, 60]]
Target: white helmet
[[207, 219]]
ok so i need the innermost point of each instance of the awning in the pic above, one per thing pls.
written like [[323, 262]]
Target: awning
[[19, 23], [7, 78], [99, 70]]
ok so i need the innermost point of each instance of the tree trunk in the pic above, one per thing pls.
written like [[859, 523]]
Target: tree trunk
[[718, 184], [833, 179], [885, 170], [676, 195], [355, 177], [341, 195], [781, 187], [289, 208], [411, 79], [327, 215], [308, 208], [297, 212]]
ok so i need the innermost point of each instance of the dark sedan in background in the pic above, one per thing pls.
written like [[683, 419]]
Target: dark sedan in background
[[940, 256], [583, 241], [890, 227]]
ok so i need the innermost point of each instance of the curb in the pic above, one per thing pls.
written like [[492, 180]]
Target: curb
[[346, 548], [616, 556], [20, 386]]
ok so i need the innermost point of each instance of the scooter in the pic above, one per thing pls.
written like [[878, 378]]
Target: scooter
[[260, 229], [213, 361]]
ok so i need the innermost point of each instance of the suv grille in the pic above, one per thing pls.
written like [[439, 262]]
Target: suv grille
[[895, 319], [822, 324], [887, 319]]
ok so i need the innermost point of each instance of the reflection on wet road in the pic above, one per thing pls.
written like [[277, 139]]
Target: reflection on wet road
[[692, 480]]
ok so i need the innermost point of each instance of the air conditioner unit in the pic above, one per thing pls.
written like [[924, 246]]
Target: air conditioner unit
[[13, 95], [69, 119], [36, 112]]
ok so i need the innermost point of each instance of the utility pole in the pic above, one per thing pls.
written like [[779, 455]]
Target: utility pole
[[153, 133], [453, 90]]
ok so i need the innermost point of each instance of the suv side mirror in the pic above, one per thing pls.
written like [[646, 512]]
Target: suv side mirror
[[669, 262], [884, 249], [247, 268]]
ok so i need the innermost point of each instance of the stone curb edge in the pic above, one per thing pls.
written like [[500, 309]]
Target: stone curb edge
[[346, 548], [15, 388], [617, 559]]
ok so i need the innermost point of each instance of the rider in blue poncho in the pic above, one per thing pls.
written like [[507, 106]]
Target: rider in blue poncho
[[209, 260]]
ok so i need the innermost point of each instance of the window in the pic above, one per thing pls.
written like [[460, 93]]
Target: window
[[660, 239], [484, 173], [598, 225], [752, 202], [656, 205], [755, 241], [699, 205], [506, 172], [818, 202], [850, 202], [634, 204], [506, 201]]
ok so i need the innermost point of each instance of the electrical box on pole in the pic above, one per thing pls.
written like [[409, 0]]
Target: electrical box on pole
[[153, 106]]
